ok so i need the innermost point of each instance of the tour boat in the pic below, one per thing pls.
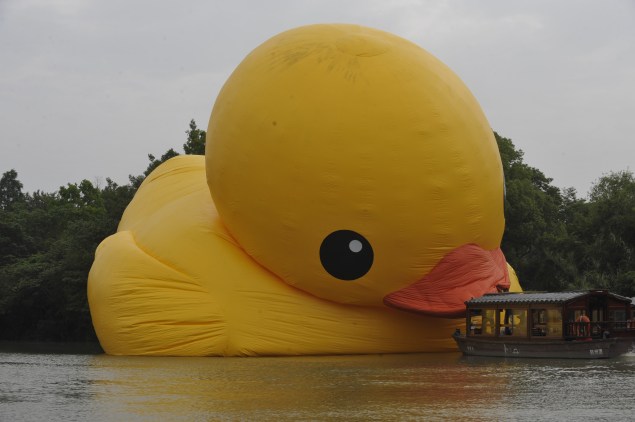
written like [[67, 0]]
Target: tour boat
[[577, 325]]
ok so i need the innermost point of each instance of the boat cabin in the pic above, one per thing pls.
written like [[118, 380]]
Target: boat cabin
[[581, 315]]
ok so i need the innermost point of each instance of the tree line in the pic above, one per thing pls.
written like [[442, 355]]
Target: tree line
[[555, 240], [47, 246]]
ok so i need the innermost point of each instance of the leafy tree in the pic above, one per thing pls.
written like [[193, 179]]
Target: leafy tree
[[557, 241], [14, 242], [154, 162], [195, 144], [10, 190], [47, 245], [608, 231], [116, 198], [534, 232], [47, 252]]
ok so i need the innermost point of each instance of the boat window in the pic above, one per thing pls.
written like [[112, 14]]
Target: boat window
[[506, 322], [575, 314], [546, 323], [617, 315], [554, 322], [489, 322], [519, 323], [474, 322], [617, 319], [513, 322], [597, 315], [482, 322]]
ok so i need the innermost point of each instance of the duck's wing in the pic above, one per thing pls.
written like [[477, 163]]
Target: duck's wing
[[146, 296], [142, 306]]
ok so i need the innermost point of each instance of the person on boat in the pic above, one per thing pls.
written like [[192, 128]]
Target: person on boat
[[583, 326], [508, 322]]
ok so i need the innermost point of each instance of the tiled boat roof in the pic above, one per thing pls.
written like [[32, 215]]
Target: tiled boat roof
[[537, 297]]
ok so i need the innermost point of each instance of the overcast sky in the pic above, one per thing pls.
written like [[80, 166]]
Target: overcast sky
[[89, 88]]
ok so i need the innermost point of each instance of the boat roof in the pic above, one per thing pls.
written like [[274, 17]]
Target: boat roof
[[519, 298]]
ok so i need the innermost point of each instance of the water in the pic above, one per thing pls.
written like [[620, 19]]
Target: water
[[97, 387]]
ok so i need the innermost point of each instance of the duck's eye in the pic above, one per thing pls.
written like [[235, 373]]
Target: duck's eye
[[346, 255]]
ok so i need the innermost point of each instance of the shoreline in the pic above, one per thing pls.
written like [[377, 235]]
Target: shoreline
[[43, 347]]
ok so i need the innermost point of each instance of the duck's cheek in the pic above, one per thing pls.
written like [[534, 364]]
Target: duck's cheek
[[466, 272]]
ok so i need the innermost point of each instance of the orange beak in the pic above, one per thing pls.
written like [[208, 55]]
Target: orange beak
[[468, 271]]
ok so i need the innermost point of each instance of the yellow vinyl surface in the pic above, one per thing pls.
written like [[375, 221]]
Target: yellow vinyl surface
[[322, 130]]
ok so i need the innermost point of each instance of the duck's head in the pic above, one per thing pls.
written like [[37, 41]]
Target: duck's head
[[357, 167]]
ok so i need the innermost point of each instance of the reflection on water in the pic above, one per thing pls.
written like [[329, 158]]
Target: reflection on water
[[374, 387]]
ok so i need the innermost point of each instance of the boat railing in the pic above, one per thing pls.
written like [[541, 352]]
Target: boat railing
[[599, 329]]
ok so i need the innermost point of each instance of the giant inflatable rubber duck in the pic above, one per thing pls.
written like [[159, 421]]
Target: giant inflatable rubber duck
[[350, 201]]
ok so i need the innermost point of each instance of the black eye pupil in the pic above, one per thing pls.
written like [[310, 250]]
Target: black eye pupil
[[346, 255]]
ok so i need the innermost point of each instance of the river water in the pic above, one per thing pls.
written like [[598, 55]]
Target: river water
[[97, 387]]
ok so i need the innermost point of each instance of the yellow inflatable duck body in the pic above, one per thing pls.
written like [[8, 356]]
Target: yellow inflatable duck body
[[350, 201]]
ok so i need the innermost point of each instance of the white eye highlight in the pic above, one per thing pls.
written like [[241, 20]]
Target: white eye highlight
[[355, 246]]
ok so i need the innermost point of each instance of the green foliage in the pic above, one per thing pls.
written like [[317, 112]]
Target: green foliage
[[608, 232], [533, 230], [154, 163], [46, 258], [10, 190], [556, 241], [553, 239], [195, 144], [47, 246]]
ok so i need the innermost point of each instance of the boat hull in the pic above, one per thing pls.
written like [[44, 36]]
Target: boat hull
[[561, 349]]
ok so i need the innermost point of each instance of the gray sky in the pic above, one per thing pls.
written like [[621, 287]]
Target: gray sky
[[89, 88]]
